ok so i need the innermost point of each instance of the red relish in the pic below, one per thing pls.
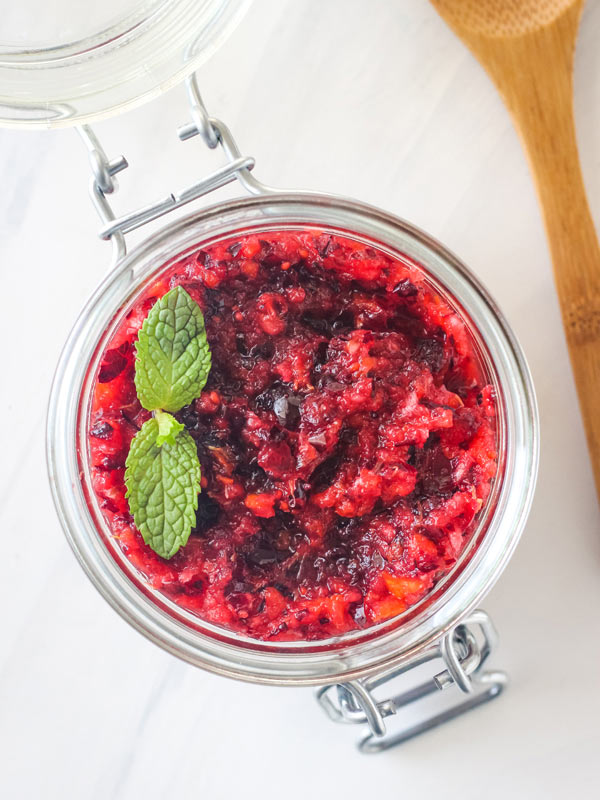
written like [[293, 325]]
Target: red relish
[[346, 435]]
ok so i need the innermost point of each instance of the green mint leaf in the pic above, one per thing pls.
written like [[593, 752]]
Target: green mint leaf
[[162, 487], [173, 357], [168, 428]]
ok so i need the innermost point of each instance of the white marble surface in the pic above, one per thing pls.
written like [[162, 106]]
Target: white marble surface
[[378, 101]]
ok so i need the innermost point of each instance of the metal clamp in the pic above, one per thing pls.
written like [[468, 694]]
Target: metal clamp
[[463, 650], [212, 131]]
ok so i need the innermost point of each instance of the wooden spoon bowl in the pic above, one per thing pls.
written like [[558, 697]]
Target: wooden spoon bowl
[[527, 47]]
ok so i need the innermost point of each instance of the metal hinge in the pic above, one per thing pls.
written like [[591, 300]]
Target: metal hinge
[[463, 651], [213, 132]]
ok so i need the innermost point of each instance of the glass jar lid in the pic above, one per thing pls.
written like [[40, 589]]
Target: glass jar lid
[[68, 62]]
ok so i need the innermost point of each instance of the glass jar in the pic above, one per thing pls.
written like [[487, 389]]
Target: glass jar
[[355, 658], [69, 62]]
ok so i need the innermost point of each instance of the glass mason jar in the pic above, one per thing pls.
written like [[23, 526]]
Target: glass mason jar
[[67, 62], [358, 661]]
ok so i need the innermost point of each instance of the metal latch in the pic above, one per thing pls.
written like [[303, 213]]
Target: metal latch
[[463, 651]]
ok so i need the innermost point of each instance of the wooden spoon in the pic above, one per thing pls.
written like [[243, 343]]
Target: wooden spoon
[[527, 47]]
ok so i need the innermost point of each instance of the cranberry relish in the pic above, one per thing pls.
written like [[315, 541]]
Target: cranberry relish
[[346, 437]]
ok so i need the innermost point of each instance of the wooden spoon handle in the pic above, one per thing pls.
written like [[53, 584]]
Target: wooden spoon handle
[[534, 75]]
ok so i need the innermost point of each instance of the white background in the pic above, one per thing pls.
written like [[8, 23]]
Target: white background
[[378, 101]]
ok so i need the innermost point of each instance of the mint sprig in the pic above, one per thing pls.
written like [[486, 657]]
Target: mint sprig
[[173, 357], [162, 471]]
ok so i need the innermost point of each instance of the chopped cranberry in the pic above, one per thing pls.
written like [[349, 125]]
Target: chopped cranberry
[[405, 288], [101, 430], [113, 363], [346, 436], [276, 459], [436, 472], [208, 512], [430, 352]]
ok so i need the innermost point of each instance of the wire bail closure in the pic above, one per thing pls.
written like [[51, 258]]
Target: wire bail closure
[[463, 650], [211, 130]]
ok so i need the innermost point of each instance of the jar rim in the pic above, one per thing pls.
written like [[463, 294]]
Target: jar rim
[[331, 660]]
